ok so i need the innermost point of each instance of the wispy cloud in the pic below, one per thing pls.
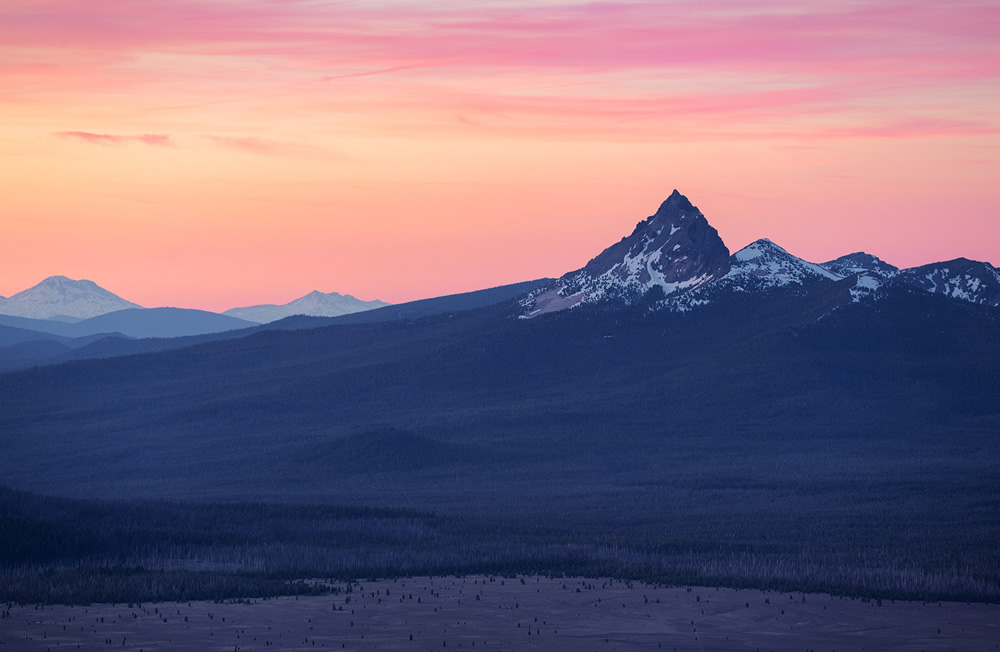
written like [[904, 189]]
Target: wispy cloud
[[88, 137], [268, 147], [728, 66], [584, 35], [160, 140], [245, 144], [369, 73], [915, 128]]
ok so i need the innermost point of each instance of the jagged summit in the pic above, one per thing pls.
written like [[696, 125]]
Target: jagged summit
[[676, 242], [59, 296], [674, 249]]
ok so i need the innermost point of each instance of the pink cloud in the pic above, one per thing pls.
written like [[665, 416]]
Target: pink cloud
[[96, 139], [915, 128], [591, 36], [161, 140], [368, 73], [640, 61], [245, 144], [268, 147]]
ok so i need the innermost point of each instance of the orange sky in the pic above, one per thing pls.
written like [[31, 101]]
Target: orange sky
[[211, 154]]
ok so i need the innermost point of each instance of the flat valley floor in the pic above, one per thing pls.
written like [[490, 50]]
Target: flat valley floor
[[496, 613]]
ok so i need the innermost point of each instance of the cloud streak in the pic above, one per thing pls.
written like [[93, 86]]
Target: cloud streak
[[268, 147], [729, 66], [159, 140], [592, 36], [245, 144]]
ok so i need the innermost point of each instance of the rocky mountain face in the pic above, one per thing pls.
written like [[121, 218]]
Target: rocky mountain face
[[673, 250], [314, 304], [676, 261], [58, 296]]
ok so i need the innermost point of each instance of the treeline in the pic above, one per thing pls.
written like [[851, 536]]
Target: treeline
[[55, 550], [92, 584]]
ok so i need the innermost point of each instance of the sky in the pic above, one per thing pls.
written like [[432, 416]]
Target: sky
[[220, 153]]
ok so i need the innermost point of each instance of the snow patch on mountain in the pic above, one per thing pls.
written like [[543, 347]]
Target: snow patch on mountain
[[866, 286], [58, 296]]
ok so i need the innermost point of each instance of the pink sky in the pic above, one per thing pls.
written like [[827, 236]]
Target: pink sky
[[216, 153]]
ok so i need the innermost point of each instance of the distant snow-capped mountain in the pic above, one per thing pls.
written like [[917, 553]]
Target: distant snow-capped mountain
[[674, 250], [58, 296], [314, 304], [676, 261]]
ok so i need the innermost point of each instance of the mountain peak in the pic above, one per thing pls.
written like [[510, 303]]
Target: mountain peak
[[674, 249], [759, 249], [766, 263], [62, 296], [59, 280], [676, 198], [857, 263]]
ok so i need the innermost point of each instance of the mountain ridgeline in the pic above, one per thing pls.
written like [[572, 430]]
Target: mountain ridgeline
[[671, 411], [675, 260], [62, 319]]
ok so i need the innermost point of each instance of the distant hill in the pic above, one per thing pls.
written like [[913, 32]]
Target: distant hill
[[106, 344], [48, 326], [12, 335], [159, 322], [134, 322]]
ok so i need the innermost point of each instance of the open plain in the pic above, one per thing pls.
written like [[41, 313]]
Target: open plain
[[497, 613]]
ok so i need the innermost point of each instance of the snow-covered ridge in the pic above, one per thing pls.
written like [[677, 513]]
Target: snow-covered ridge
[[964, 279], [762, 267], [764, 263]]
